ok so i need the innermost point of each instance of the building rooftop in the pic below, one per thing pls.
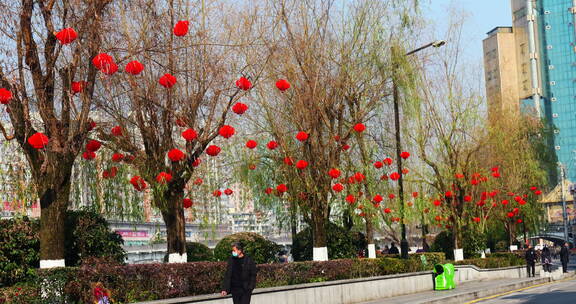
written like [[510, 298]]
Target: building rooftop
[[500, 29]]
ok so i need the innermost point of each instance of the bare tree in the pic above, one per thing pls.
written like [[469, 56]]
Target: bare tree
[[39, 70]]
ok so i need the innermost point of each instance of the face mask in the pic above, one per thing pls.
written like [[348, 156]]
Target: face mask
[[234, 253]]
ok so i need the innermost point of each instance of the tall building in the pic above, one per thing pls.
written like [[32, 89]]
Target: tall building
[[538, 53]]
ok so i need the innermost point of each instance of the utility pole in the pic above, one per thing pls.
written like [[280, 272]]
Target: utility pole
[[564, 213]]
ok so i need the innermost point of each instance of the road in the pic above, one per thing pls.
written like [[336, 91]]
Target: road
[[560, 292]]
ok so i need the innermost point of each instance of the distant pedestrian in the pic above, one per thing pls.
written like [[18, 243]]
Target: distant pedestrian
[[240, 277], [546, 259], [386, 250], [565, 257], [530, 257], [393, 249]]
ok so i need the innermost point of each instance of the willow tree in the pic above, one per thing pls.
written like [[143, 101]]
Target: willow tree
[[326, 54], [46, 46], [183, 70]]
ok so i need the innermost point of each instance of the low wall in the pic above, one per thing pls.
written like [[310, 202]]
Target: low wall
[[356, 290]]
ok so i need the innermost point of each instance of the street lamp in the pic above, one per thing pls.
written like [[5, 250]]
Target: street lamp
[[404, 241]]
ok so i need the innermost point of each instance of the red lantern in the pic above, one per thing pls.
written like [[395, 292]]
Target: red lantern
[[181, 28], [251, 144], [495, 169], [116, 131], [113, 172], [217, 193], [359, 127], [268, 190], [196, 162], [519, 221], [345, 147], [163, 177], [189, 134], [533, 188], [243, 84], [459, 175], [334, 173], [510, 214], [226, 131], [476, 219], [175, 155], [496, 174], [359, 177], [377, 198], [391, 196], [117, 157], [252, 167], [66, 36], [110, 69], [504, 202], [404, 155], [437, 203], [88, 155], [378, 165], [338, 187], [394, 176], [38, 141], [301, 164], [134, 67], [272, 145], [387, 161], [167, 81], [350, 199], [93, 145], [213, 150], [467, 198], [538, 192], [288, 161], [282, 85], [302, 136], [448, 194], [387, 210], [384, 177], [78, 86], [228, 191], [281, 188], [138, 183], [187, 203], [102, 60], [414, 194], [239, 108], [5, 96], [474, 182], [405, 171]]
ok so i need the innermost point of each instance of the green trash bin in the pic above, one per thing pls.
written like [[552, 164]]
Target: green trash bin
[[444, 277]]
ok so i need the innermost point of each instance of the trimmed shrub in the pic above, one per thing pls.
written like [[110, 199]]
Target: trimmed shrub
[[91, 237], [144, 282], [488, 263], [340, 244], [473, 243], [444, 243], [256, 246], [19, 250], [198, 252]]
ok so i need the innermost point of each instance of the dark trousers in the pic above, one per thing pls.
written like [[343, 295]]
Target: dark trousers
[[241, 296], [565, 266], [533, 267]]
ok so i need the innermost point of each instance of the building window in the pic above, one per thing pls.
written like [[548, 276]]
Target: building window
[[552, 83], [555, 115], [557, 147], [548, 27], [556, 131], [549, 46], [551, 67], [546, 12], [553, 99]]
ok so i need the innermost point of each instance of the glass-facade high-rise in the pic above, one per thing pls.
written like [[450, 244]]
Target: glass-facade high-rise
[[541, 57], [557, 32]]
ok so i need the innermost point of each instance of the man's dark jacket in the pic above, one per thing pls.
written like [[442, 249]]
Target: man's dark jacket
[[248, 274], [564, 254], [530, 256]]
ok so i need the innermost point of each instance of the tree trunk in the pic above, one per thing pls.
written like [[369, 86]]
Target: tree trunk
[[320, 250], [293, 221], [173, 215], [370, 238], [54, 197]]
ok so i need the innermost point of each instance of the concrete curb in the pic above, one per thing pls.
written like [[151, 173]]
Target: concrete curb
[[477, 294]]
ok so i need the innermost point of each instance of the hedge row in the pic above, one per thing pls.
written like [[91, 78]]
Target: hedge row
[[144, 282]]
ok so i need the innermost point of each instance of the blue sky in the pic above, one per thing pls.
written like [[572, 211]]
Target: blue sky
[[483, 15]]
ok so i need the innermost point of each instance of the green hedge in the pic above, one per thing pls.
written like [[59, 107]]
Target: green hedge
[[340, 243], [132, 283], [255, 245]]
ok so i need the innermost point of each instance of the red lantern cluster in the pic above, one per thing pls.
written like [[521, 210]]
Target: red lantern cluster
[[239, 108], [213, 150], [301, 164], [226, 131], [189, 135], [272, 145], [175, 155], [394, 176], [181, 28], [134, 67], [117, 157], [228, 191], [302, 136], [243, 84], [105, 63], [163, 177], [337, 187], [404, 155], [138, 183], [359, 127], [116, 131], [78, 86], [5, 96], [187, 203], [251, 144], [282, 85]]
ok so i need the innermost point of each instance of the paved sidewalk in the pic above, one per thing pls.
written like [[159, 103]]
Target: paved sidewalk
[[464, 292]]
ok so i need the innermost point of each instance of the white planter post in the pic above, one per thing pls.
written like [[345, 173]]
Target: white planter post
[[52, 263], [178, 258], [371, 251], [320, 253], [458, 254]]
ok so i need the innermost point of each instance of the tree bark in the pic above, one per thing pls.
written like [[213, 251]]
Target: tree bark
[[173, 215], [53, 191]]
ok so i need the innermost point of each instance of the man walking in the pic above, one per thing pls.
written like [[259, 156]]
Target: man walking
[[546, 259], [393, 249], [530, 257], [565, 257], [240, 277]]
